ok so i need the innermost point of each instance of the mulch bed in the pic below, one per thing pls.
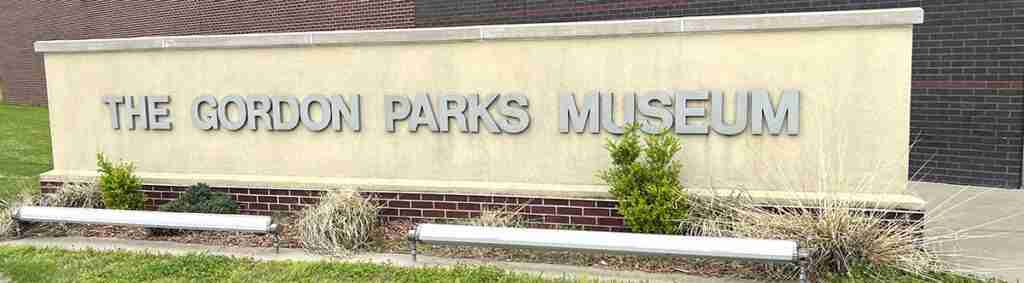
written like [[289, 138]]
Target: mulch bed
[[390, 238]]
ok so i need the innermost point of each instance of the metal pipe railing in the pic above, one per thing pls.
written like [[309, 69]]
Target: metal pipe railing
[[150, 219], [611, 242]]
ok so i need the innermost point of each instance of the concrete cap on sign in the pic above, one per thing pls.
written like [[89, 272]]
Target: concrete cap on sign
[[759, 22]]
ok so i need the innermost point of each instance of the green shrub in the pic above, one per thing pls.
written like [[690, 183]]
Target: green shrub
[[644, 179], [341, 222], [199, 199], [119, 186]]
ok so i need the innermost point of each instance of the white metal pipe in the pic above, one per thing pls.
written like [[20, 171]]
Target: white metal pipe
[[611, 242], [148, 219]]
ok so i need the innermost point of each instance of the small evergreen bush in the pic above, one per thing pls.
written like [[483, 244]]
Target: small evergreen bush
[[119, 186], [644, 179], [199, 199]]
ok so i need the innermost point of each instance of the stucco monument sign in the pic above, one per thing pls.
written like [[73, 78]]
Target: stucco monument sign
[[512, 109]]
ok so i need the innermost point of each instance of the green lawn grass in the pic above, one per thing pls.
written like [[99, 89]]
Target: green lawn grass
[[27, 264], [862, 273], [24, 148], [24, 141]]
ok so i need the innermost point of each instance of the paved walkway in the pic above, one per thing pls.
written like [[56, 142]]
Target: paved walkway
[[993, 217], [553, 271]]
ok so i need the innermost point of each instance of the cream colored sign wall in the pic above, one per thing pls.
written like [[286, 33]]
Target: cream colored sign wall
[[854, 113]]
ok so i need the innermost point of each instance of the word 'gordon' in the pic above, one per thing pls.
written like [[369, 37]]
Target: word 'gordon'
[[335, 110]]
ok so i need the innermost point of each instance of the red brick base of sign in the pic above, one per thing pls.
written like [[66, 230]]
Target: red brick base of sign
[[540, 212]]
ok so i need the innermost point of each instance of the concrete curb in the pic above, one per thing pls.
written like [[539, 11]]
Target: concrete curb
[[553, 271]]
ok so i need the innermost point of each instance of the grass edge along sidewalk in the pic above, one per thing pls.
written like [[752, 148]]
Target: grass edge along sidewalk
[[28, 263], [31, 264]]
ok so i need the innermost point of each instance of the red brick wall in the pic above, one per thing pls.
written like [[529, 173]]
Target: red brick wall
[[542, 212], [131, 18], [21, 23], [24, 21]]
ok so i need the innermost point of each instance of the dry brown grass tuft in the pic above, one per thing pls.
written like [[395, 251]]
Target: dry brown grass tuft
[[843, 219], [503, 217], [841, 216], [7, 210], [839, 232], [6, 219], [85, 195], [339, 224]]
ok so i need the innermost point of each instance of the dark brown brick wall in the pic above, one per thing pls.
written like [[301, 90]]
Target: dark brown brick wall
[[436, 13], [21, 23], [24, 21], [540, 212]]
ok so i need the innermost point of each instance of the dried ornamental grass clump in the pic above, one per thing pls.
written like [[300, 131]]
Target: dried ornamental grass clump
[[8, 226], [839, 233], [7, 223], [834, 205], [842, 228], [84, 195], [340, 223], [503, 217]]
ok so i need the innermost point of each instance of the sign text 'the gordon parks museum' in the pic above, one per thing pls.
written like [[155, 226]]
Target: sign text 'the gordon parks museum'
[[498, 113]]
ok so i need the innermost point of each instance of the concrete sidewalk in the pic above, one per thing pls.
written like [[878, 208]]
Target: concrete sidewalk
[[994, 216], [552, 271]]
